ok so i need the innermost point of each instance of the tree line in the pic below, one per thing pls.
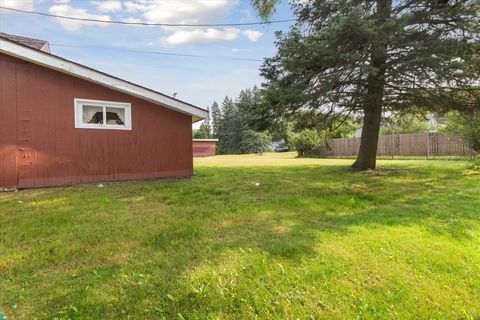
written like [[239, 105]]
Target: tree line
[[232, 125], [235, 125]]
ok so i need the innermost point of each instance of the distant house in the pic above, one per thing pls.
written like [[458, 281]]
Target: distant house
[[63, 123], [204, 147]]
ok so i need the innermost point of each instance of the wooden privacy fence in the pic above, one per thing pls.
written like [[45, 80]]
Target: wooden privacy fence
[[429, 145]]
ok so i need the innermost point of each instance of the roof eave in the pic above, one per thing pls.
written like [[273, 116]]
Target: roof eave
[[50, 61]]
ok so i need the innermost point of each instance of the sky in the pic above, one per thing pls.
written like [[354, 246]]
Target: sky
[[104, 47]]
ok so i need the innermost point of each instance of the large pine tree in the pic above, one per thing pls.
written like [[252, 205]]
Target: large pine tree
[[369, 57]]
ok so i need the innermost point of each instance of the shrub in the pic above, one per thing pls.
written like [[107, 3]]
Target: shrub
[[475, 163], [255, 142], [304, 141], [465, 125]]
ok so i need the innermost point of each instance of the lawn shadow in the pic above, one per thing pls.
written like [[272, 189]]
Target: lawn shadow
[[223, 210], [286, 216], [287, 221]]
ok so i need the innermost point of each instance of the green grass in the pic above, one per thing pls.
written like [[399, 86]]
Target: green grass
[[314, 240]]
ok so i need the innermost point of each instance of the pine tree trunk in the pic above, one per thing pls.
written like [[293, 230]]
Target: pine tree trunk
[[367, 155]]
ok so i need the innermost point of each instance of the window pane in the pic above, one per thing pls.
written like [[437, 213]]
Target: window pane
[[92, 114], [116, 116]]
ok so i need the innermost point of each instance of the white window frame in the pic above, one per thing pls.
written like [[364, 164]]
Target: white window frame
[[78, 110]]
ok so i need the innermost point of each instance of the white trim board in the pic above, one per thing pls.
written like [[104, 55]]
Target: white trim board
[[205, 140], [77, 70]]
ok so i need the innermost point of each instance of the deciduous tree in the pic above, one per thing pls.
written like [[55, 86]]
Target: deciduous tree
[[465, 125]]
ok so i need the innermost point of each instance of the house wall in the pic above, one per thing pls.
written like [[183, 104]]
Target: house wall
[[8, 126], [50, 151], [204, 148]]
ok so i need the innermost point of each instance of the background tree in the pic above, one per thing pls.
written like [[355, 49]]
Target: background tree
[[230, 129], [328, 126], [279, 129], [407, 123], [235, 133], [252, 141], [255, 142], [204, 131], [216, 117], [368, 57], [465, 125]]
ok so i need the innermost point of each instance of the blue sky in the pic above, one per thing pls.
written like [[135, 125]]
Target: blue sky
[[196, 80]]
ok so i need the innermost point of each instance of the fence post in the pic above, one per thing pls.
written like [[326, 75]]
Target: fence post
[[392, 145], [428, 145]]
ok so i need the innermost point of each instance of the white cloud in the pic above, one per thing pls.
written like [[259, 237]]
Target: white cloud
[[18, 4], [62, 1], [200, 36], [205, 36], [132, 20], [237, 50], [187, 12], [133, 7], [108, 5], [252, 35], [181, 11], [163, 11], [71, 25]]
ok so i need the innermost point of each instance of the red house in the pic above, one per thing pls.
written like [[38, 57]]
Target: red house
[[62, 123]]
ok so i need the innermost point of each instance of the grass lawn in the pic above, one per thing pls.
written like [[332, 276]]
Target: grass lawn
[[313, 240]]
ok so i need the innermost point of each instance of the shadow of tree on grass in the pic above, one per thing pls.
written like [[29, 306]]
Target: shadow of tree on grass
[[222, 210]]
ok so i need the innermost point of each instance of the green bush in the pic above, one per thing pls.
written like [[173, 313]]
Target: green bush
[[475, 163], [255, 142], [304, 141], [465, 125]]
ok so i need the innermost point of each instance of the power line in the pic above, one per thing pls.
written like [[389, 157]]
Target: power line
[[175, 54], [150, 24]]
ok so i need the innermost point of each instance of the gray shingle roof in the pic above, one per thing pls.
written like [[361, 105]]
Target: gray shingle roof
[[41, 45]]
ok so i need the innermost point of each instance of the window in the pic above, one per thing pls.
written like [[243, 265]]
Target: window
[[94, 114]]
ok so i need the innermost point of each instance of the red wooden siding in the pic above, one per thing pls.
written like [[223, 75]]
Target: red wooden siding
[[38, 137], [204, 148], [8, 127]]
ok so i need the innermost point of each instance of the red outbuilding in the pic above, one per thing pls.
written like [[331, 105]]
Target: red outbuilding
[[204, 147], [62, 123]]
